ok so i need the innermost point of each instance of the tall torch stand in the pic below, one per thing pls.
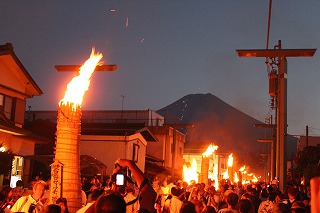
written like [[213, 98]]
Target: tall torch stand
[[68, 153]]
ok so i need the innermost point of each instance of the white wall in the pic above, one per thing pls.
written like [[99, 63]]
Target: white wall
[[108, 149]]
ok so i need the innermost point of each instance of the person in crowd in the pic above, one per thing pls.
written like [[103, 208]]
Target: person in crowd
[[187, 207], [165, 189], [29, 190], [156, 187], [90, 207], [26, 203], [267, 206], [17, 192], [173, 204], [254, 197], [244, 206], [113, 201], [128, 197], [47, 191], [281, 208], [306, 201], [185, 193], [264, 195], [298, 207], [62, 202], [213, 198], [52, 208], [279, 197], [209, 209], [84, 198], [93, 187], [199, 205], [292, 195], [5, 197], [110, 203], [223, 203], [232, 200]]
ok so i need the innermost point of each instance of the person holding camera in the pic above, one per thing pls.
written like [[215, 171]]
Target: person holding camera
[[31, 203], [114, 202]]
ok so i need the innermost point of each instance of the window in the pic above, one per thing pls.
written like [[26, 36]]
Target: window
[[135, 154], [7, 106]]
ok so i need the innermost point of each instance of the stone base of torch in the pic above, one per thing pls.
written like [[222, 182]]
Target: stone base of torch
[[68, 153]]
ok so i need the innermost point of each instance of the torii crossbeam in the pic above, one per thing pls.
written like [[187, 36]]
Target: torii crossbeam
[[66, 68]]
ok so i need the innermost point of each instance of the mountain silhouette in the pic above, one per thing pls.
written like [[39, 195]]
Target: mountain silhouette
[[215, 121]]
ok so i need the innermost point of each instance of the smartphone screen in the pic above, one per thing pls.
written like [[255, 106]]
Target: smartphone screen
[[119, 179]]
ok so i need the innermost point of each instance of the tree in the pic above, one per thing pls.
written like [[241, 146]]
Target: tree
[[308, 164]]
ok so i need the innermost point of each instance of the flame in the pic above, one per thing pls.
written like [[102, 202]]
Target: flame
[[190, 173], [80, 83], [254, 179], [235, 177], [226, 174], [210, 150], [230, 160], [242, 169]]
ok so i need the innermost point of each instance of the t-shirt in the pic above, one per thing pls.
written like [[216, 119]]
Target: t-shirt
[[23, 204]]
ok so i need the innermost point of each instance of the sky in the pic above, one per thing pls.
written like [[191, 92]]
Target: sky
[[167, 49]]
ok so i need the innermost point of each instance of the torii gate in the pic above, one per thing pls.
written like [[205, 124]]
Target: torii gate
[[281, 99]]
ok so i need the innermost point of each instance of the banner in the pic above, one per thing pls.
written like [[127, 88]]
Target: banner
[[56, 181]]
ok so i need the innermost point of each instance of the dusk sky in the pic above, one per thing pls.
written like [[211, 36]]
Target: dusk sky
[[167, 49]]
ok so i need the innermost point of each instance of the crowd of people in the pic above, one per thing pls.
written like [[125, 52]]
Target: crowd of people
[[251, 198], [160, 196]]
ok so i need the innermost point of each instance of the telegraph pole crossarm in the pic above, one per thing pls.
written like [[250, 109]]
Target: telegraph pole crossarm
[[281, 105]]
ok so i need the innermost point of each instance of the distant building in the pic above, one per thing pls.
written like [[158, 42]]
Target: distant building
[[308, 141], [132, 134]]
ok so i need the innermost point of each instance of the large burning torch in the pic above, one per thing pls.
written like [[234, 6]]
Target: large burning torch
[[205, 164], [65, 171]]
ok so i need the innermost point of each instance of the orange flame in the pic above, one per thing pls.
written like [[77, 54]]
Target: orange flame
[[230, 160], [235, 177], [210, 150], [226, 174], [190, 173], [242, 169], [80, 83]]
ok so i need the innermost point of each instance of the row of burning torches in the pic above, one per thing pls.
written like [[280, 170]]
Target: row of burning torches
[[230, 174]]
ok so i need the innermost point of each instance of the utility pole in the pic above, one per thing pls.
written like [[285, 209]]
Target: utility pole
[[307, 136], [122, 96], [281, 98]]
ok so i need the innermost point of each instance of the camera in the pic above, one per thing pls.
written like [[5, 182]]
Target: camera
[[32, 208], [120, 177]]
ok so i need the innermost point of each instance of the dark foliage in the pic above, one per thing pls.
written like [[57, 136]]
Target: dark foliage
[[6, 158], [308, 164]]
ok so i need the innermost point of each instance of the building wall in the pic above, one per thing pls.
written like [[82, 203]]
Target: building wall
[[178, 149], [149, 117], [169, 147], [157, 149], [108, 149]]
